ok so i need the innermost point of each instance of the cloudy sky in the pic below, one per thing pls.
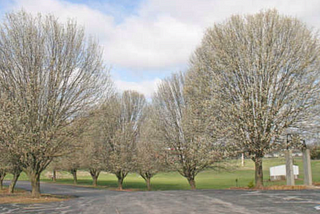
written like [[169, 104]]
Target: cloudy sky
[[146, 40]]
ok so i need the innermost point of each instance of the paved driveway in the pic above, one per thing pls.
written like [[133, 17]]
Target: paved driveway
[[166, 202]]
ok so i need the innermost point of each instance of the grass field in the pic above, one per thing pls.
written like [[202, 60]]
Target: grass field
[[209, 179]]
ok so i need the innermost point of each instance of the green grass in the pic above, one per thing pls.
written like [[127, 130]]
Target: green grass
[[209, 179]]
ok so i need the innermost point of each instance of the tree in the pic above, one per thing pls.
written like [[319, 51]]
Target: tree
[[122, 120], [49, 72], [3, 174], [9, 163], [262, 74], [69, 162], [94, 148], [150, 153], [83, 139], [72, 162], [184, 130], [54, 167], [3, 169], [15, 170], [315, 152]]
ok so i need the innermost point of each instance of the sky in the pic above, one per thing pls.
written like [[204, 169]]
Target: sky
[[145, 41]]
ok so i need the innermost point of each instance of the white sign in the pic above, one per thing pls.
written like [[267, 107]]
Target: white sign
[[279, 172]]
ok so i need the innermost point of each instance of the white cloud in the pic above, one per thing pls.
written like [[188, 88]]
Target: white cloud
[[145, 87], [206, 12], [95, 22], [163, 34], [144, 44], [160, 34]]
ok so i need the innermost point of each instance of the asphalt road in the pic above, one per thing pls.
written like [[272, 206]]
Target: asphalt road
[[97, 201]]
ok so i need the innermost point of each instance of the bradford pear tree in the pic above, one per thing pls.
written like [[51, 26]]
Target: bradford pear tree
[[123, 116], [15, 169], [93, 146], [49, 72], [185, 132], [150, 157], [3, 168], [72, 162], [72, 159], [10, 131], [262, 74], [9, 164]]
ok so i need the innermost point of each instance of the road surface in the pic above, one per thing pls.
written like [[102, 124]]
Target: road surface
[[95, 201]]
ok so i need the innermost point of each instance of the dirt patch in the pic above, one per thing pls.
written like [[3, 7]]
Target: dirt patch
[[124, 190], [24, 197], [5, 191], [280, 187], [101, 187], [283, 187]]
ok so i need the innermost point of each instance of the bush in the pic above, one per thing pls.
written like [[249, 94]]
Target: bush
[[251, 184], [315, 152]]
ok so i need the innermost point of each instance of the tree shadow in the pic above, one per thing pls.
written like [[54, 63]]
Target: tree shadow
[[113, 184]]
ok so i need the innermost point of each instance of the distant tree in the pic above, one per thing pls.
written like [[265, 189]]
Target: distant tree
[[150, 157], [261, 73], [54, 167], [72, 162], [69, 162], [94, 160], [315, 152], [75, 159], [49, 73], [184, 130], [92, 146], [122, 120]]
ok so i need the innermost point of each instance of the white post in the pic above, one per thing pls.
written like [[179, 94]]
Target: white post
[[307, 167], [289, 168], [242, 159]]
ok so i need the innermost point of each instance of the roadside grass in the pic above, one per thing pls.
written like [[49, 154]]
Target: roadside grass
[[221, 178]]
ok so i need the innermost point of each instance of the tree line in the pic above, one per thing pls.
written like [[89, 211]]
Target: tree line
[[252, 80]]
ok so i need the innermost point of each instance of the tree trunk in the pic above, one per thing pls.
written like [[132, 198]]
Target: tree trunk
[[147, 177], [94, 181], [2, 175], [54, 175], [120, 183], [192, 183], [148, 181], [74, 174], [258, 172], [13, 182], [94, 174], [121, 175], [35, 184]]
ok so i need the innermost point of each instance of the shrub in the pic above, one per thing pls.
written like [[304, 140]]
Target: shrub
[[315, 152], [251, 184]]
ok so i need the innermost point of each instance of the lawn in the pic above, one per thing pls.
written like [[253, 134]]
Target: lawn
[[209, 179]]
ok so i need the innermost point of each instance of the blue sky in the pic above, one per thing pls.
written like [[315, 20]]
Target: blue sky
[[145, 41]]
